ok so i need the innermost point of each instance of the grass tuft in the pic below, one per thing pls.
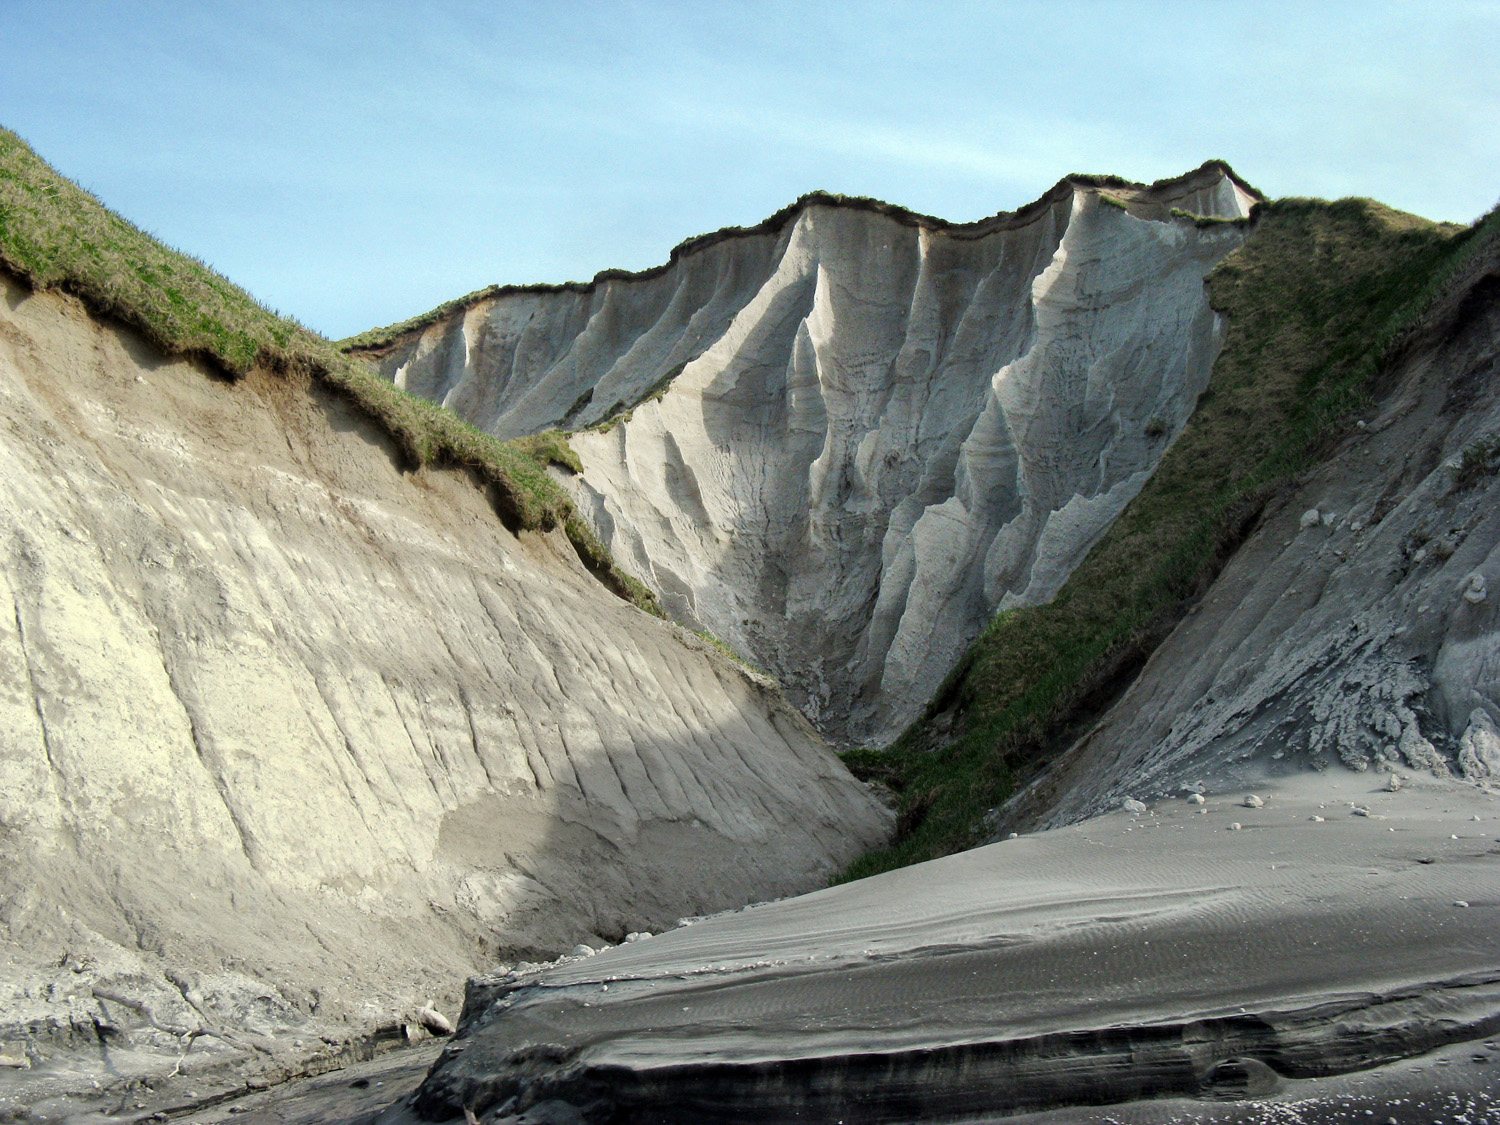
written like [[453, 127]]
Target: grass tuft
[[1479, 460], [1318, 299], [56, 236]]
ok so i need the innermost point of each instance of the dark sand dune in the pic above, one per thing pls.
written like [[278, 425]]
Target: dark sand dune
[[1126, 957]]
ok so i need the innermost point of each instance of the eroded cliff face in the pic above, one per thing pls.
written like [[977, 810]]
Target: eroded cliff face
[[1357, 627], [855, 434], [289, 733]]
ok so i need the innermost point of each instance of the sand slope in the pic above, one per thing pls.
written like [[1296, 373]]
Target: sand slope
[[292, 740], [1124, 957]]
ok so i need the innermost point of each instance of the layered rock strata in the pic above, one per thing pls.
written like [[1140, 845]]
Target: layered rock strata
[[288, 733], [843, 439]]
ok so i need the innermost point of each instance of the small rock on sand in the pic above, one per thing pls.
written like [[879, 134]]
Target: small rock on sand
[[1195, 798], [1393, 784], [1254, 802], [1316, 819], [1474, 591], [1460, 902], [639, 935], [1235, 827], [1132, 806]]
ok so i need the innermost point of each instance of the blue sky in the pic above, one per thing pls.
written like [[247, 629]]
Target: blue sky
[[356, 163]]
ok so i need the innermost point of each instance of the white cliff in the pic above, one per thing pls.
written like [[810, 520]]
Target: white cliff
[[843, 439], [288, 733]]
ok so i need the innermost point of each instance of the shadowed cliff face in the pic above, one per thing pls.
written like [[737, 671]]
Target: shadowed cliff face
[[854, 438], [287, 732]]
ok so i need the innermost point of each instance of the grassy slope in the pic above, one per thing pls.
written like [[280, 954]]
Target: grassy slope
[[1317, 298], [54, 235]]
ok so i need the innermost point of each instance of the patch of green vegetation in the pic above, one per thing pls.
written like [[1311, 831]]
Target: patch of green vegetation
[[598, 559], [654, 393], [374, 339], [1113, 201], [1208, 220], [1317, 298], [56, 236], [550, 447], [1478, 460], [719, 644], [578, 406]]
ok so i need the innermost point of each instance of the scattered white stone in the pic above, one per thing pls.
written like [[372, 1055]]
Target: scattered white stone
[[1460, 902], [1235, 827], [1311, 518], [434, 1020], [1316, 819], [1474, 589], [1394, 784], [1328, 518], [1254, 802], [583, 951], [1132, 806], [1356, 525], [1359, 810], [637, 935], [1195, 798], [1014, 836]]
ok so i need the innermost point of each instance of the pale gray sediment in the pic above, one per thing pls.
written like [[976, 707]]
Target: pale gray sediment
[[856, 433]]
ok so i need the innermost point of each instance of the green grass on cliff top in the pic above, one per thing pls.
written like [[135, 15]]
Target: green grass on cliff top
[[54, 235], [1317, 299]]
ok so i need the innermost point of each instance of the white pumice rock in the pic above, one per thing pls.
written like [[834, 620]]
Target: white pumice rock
[[1310, 518], [1474, 590], [1254, 802], [852, 438], [1195, 798], [1132, 806], [1235, 826], [434, 1021]]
